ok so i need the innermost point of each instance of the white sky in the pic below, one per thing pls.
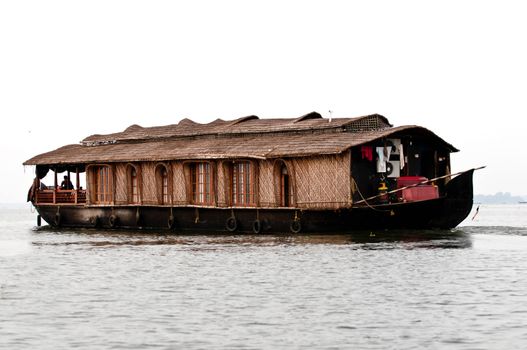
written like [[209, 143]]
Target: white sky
[[69, 69]]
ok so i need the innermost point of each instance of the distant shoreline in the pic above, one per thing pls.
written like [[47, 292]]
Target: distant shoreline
[[500, 198]]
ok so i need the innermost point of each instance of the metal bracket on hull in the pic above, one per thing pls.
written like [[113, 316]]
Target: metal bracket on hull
[[196, 216]]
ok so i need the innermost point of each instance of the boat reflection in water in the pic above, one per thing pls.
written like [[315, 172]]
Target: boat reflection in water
[[386, 239]]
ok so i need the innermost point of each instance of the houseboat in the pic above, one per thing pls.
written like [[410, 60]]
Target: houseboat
[[253, 175]]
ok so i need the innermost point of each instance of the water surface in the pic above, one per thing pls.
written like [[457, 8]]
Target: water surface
[[459, 289]]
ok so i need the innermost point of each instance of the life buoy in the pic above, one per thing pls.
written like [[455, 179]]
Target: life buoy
[[171, 222], [257, 226], [112, 220], [231, 224], [295, 226], [95, 221], [389, 168]]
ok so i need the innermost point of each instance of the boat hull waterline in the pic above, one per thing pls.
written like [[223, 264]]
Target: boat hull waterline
[[443, 213]]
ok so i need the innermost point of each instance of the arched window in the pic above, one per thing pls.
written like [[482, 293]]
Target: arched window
[[101, 184], [202, 183], [283, 184], [243, 184], [162, 184], [133, 184], [285, 193]]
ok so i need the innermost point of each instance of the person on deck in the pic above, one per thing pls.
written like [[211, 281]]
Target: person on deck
[[66, 184]]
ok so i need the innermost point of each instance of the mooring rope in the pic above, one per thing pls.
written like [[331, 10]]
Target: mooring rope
[[414, 185], [363, 199], [477, 211]]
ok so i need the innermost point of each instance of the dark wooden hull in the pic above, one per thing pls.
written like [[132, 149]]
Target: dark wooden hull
[[443, 213]]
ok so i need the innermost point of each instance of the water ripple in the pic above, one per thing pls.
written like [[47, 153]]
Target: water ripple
[[462, 289]]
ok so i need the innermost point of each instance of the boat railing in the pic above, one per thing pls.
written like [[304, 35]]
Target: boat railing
[[58, 196]]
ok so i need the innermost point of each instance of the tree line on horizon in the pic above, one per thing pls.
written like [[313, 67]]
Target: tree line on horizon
[[498, 198]]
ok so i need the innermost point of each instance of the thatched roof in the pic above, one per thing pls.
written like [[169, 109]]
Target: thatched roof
[[242, 126], [248, 137]]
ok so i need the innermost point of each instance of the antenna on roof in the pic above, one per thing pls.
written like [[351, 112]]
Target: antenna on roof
[[330, 113]]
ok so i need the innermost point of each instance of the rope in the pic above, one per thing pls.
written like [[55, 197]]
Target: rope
[[364, 200], [477, 211], [415, 185]]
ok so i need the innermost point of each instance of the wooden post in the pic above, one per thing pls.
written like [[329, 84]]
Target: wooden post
[[77, 183], [55, 187]]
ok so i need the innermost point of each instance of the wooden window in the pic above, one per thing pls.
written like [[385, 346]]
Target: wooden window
[[285, 187], [283, 184], [242, 185], [163, 187], [202, 184], [103, 185], [133, 185]]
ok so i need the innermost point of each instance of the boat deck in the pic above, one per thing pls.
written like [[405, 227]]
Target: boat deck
[[60, 196]]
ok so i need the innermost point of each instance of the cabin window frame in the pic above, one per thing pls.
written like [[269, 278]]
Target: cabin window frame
[[285, 197], [202, 183], [243, 185], [163, 177], [106, 181], [130, 168]]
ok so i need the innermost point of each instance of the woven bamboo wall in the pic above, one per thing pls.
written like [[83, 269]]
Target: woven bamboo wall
[[121, 184], [221, 179], [316, 182], [180, 184], [90, 186], [148, 180], [323, 182], [266, 184]]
